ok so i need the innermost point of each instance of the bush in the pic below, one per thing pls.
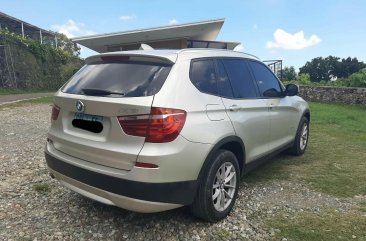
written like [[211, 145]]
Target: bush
[[37, 66], [358, 79], [304, 79]]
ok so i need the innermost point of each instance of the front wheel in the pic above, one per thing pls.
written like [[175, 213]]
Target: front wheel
[[219, 188], [301, 139]]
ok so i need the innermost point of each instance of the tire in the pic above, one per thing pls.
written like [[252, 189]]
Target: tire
[[216, 195], [301, 139]]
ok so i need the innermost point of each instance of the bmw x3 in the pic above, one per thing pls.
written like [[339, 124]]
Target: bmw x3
[[153, 130]]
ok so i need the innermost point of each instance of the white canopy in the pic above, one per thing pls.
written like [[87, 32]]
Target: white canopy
[[160, 36]]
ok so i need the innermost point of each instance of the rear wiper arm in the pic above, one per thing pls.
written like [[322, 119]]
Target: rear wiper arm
[[100, 92]]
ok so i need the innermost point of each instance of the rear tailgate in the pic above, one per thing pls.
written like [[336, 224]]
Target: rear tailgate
[[89, 105], [111, 147]]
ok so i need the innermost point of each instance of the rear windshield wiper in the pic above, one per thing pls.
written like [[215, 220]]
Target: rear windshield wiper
[[100, 92]]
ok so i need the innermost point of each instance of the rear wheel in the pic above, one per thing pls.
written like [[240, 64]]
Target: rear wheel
[[301, 139], [219, 188]]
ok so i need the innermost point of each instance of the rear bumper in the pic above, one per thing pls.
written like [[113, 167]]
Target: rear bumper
[[128, 194], [113, 199]]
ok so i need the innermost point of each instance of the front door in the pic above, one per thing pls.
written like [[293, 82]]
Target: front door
[[248, 114], [282, 112]]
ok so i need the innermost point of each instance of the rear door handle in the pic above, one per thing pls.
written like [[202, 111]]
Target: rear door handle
[[271, 106], [234, 108]]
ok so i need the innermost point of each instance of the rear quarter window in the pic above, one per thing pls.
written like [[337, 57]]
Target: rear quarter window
[[130, 79], [203, 76]]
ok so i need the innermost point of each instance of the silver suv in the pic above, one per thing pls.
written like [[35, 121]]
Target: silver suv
[[152, 130]]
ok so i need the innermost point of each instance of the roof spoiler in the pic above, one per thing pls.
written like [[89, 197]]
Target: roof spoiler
[[128, 56]]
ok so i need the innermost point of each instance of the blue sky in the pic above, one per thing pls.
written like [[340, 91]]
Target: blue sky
[[295, 31]]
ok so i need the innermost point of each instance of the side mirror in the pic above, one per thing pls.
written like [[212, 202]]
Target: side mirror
[[292, 90]]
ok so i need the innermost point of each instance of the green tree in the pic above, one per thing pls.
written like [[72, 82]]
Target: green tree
[[350, 66], [331, 67], [289, 73], [317, 69], [64, 43]]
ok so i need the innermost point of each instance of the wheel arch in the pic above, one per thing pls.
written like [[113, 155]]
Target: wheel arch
[[230, 143], [306, 114]]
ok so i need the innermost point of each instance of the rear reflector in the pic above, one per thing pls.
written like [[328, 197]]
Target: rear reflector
[[145, 165], [55, 112], [161, 125]]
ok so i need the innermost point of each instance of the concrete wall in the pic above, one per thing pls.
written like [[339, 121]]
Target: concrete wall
[[334, 94]]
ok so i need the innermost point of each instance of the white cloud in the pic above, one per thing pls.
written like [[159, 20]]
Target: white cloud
[[173, 21], [72, 29], [239, 48], [295, 41], [127, 17]]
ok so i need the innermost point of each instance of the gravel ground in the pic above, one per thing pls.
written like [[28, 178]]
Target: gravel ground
[[35, 207]]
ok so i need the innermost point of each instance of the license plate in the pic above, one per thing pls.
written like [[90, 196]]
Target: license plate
[[82, 116]]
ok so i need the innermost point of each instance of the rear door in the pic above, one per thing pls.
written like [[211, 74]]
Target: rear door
[[248, 114], [282, 112], [203, 77], [91, 102]]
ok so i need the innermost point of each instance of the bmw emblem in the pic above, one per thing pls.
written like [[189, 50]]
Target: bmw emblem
[[80, 106]]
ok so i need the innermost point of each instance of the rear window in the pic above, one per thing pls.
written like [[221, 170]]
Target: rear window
[[240, 78], [118, 79]]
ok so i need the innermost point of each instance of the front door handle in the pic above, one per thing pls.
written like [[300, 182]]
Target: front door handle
[[234, 108]]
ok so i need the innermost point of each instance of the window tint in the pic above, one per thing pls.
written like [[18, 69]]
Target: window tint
[[264, 78], [131, 79], [240, 78], [223, 83], [203, 75]]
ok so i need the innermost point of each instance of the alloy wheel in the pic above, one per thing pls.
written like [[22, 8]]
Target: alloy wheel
[[224, 186], [304, 136]]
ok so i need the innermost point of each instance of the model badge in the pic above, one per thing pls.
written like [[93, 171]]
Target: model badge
[[80, 106]]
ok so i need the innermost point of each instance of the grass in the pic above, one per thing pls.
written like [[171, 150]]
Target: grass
[[41, 100], [362, 207], [327, 225], [21, 91], [335, 161], [42, 187]]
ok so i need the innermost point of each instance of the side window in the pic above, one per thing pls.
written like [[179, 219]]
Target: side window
[[223, 82], [265, 79], [240, 78], [203, 75]]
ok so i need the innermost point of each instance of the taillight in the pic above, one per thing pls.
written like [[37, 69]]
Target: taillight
[[55, 112], [161, 125]]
